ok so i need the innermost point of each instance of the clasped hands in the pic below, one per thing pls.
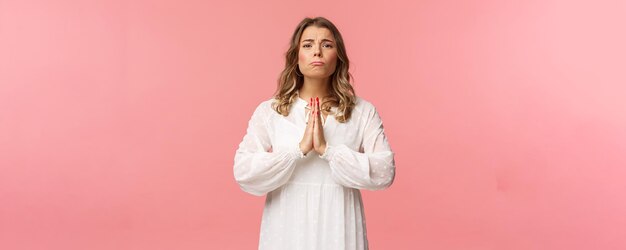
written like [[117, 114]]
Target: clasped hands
[[313, 138]]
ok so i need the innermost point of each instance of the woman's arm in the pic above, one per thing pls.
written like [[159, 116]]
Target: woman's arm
[[374, 169], [256, 170]]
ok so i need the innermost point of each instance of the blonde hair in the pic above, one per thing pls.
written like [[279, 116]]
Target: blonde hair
[[342, 93]]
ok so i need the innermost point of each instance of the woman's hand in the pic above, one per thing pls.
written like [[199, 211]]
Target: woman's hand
[[306, 144], [313, 138], [319, 142]]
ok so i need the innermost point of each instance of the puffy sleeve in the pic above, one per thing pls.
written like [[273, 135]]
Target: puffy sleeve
[[372, 169], [258, 168]]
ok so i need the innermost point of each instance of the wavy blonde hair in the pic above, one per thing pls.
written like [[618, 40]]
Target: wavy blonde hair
[[342, 93]]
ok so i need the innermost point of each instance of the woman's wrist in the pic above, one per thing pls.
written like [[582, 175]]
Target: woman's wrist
[[298, 152], [323, 149], [327, 153], [304, 152]]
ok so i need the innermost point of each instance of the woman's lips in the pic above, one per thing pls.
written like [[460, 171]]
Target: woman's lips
[[317, 63]]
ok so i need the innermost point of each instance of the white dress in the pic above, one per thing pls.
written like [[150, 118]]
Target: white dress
[[313, 201]]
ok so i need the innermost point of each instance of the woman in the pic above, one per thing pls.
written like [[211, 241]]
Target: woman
[[311, 148]]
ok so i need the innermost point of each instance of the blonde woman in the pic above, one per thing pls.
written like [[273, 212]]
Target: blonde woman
[[312, 147]]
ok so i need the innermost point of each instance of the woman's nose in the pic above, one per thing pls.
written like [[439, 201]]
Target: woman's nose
[[317, 52]]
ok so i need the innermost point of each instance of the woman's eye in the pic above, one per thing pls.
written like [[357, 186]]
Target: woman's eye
[[328, 45], [306, 45]]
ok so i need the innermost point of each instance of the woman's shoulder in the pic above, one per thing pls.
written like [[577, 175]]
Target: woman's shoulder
[[264, 107], [363, 105], [267, 102]]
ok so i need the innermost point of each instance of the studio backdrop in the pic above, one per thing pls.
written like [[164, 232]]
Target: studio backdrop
[[119, 120]]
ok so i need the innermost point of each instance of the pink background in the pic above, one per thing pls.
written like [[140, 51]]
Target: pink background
[[119, 120]]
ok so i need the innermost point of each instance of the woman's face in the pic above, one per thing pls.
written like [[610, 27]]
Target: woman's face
[[317, 54]]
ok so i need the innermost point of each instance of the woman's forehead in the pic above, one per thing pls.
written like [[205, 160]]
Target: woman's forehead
[[316, 34]]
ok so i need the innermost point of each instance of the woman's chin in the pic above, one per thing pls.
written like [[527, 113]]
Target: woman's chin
[[317, 76]]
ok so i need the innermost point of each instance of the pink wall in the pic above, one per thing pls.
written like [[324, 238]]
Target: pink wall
[[119, 120]]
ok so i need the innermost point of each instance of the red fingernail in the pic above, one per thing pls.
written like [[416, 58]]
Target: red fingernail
[[317, 99]]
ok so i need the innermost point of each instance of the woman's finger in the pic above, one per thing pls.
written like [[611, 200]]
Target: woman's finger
[[319, 113], [318, 134], [317, 107], [314, 125], [311, 116], [318, 120]]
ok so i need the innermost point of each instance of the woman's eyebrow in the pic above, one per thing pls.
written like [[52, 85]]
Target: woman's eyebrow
[[312, 40]]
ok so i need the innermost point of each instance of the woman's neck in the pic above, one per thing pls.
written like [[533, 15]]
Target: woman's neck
[[314, 88]]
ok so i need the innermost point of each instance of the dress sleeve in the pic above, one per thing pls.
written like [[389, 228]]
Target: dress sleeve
[[372, 169], [256, 169]]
